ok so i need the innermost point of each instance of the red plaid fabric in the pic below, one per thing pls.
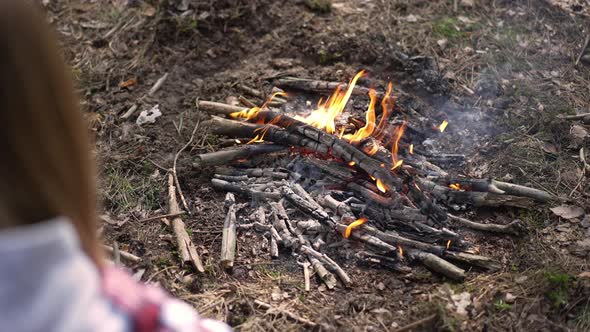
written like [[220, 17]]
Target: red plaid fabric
[[150, 309]]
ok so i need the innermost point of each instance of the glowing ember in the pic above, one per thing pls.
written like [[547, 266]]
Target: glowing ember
[[352, 226], [238, 141], [448, 244], [401, 251], [399, 131], [372, 149], [443, 125], [351, 163], [411, 148], [382, 188], [455, 186], [323, 118]]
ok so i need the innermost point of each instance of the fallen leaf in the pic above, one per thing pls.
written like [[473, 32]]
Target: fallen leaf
[[568, 211], [128, 83], [579, 132], [584, 275]]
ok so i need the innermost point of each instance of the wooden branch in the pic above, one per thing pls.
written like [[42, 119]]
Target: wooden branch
[[314, 210], [244, 151], [274, 247], [252, 172], [245, 190], [515, 227], [188, 252], [437, 264], [318, 86], [327, 277], [169, 215], [518, 190], [280, 216], [383, 261], [218, 108], [306, 275], [124, 254], [332, 265], [228, 241]]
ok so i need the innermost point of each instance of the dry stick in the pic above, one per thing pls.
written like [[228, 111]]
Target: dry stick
[[251, 91], [218, 108], [291, 315], [174, 166], [584, 48], [306, 275], [318, 86], [123, 254], [162, 216], [330, 263], [244, 190], [327, 277], [274, 247], [228, 241], [188, 252], [518, 190], [252, 172], [153, 90], [438, 264], [225, 156], [514, 227], [312, 209], [246, 102]]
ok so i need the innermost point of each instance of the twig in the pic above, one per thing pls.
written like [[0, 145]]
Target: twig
[[158, 84], [584, 48], [514, 227], [116, 254], [289, 314], [174, 166], [125, 255], [414, 325], [169, 215], [228, 241], [188, 252]]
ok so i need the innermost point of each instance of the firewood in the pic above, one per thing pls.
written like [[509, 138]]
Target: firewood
[[373, 196], [383, 261], [317, 86], [244, 190], [124, 254], [313, 210], [340, 208], [325, 275], [518, 190], [218, 108], [306, 275], [274, 248], [252, 172], [226, 156], [246, 102], [438, 264], [515, 227], [331, 264], [279, 223], [228, 240], [272, 133], [250, 91], [475, 260], [188, 252]]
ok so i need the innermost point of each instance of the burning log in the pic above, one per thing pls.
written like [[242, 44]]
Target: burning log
[[188, 252], [317, 86], [228, 241], [438, 264], [333, 266], [226, 156], [515, 227], [371, 195]]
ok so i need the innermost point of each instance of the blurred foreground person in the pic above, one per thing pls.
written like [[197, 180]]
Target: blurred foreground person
[[52, 273]]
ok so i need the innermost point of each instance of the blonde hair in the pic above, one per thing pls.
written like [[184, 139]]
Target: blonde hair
[[46, 168]]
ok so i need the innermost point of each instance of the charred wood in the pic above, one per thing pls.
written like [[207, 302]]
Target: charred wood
[[331, 265], [245, 190], [515, 227], [226, 156], [438, 264]]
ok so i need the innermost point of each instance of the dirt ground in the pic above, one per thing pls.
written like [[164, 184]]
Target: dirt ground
[[501, 71]]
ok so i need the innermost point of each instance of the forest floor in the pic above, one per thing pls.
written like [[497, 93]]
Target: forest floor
[[502, 72]]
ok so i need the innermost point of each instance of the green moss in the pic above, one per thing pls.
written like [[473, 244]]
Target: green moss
[[559, 285], [447, 28]]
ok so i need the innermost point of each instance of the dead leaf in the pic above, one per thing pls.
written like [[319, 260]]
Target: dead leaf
[[568, 211], [550, 148], [584, 275], [579, 132], [128, 83]]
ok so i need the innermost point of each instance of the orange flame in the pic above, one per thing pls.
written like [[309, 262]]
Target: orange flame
[[455, 186], [401, 251], [411, 148], [443, 125], [351, 163], [387, 105], [369, 127], [382, 188], [372, 149], [253, 112], [399, 131], [448, 244], [323, 118], [352, 226]]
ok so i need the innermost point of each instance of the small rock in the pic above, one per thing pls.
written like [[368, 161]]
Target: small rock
[[442, 43], [380, 286], [468, 50], [411, 18], [521, 280]]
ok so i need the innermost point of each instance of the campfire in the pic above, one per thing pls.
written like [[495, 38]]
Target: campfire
[[313, 177]]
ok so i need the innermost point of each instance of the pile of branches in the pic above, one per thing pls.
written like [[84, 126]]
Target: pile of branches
[[320, 189]]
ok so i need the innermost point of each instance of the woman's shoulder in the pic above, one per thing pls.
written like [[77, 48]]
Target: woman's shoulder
[[150, 308]]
